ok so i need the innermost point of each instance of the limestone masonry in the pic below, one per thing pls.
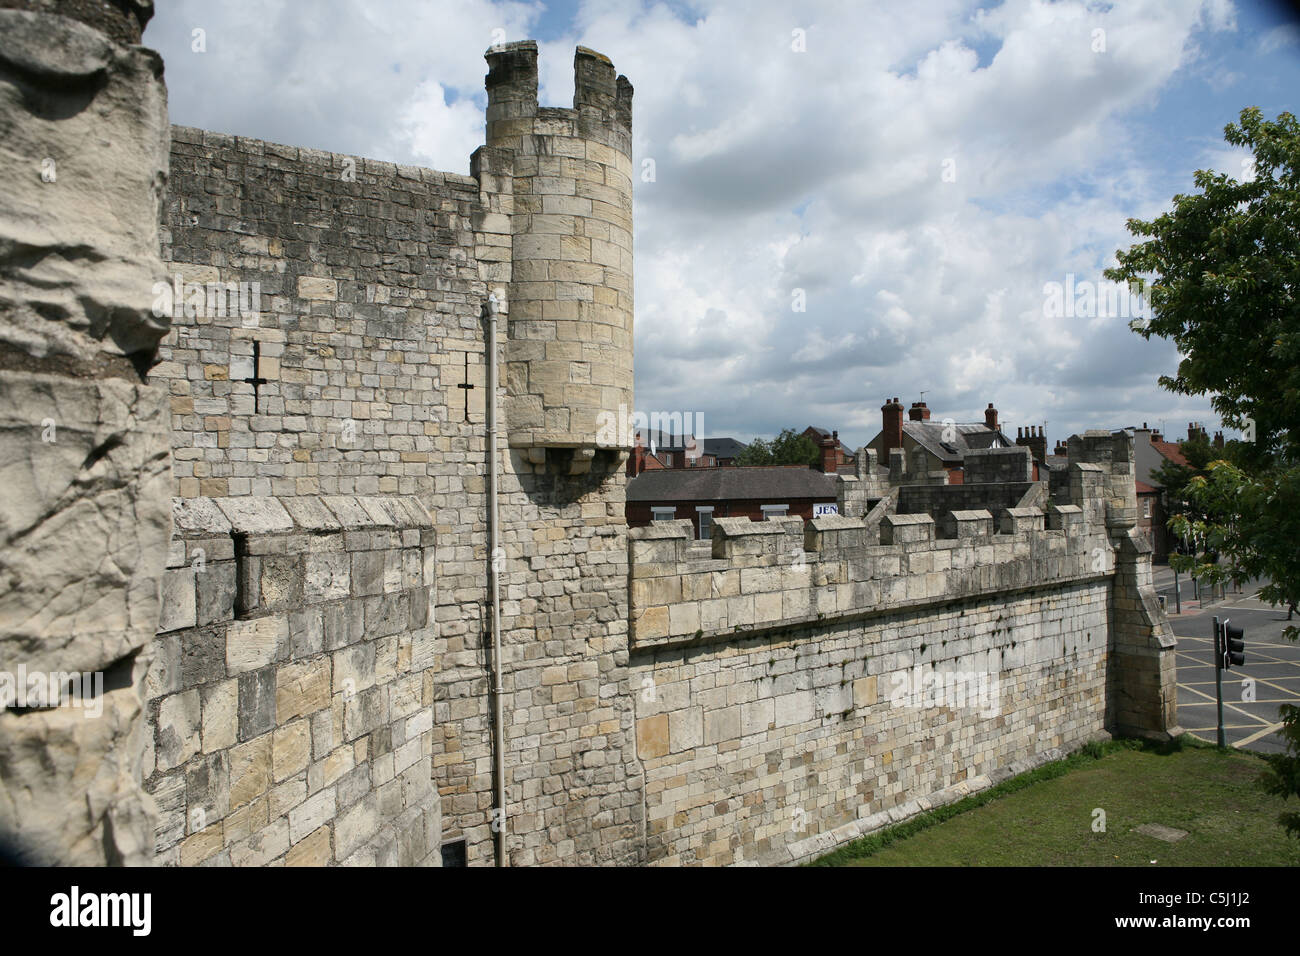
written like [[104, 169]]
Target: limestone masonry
[[266, 515]]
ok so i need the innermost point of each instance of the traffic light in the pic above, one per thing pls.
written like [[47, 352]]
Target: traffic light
[[1234, 646]]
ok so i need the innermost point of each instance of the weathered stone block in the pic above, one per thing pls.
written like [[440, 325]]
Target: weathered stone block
[[254, 643], [178, 600], [250, 771], [257, 696], [220, 715], [178, 735], [216, 592], [652, 736], [302, 688], [290, 749]]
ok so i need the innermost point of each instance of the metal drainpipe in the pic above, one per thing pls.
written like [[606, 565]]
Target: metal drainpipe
[[498, 722]]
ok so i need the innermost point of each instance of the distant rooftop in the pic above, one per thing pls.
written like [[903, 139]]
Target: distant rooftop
[[960, 438], [771, 483]]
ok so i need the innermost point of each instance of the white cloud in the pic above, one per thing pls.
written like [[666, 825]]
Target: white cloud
[[441, 135], [1288, 34]]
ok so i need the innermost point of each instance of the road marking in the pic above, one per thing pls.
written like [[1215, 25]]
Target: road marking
[[1263, 733], [1195, 658], [1263, 700], [1227, 705]]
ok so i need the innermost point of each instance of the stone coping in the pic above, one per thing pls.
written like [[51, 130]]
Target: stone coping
[[202, 517]]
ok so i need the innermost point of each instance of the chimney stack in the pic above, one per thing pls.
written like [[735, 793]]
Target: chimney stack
[[1218, 440], [829, 457], [636, 461], [891, 415], [1062, 448], [991, 417], [1033, 438], [919, 412]]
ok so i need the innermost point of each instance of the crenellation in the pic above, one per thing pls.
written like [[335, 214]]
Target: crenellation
[[791, 572]]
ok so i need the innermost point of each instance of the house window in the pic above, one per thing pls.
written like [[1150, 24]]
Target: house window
[[775, 511], [1146, 507], [706, 522], [663, 514]]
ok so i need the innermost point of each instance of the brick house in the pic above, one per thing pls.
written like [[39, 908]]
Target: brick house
[[656, 451], [703, 494], [723, 451], [1151, 519], [844, 459], [943, 445], [1150, 452]]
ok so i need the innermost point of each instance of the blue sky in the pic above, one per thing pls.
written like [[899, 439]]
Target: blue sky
[[921, 171]]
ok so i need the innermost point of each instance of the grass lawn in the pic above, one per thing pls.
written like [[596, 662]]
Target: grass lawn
[[1045, 817]]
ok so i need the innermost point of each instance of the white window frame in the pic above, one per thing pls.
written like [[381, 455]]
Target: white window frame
[[700, 513], [1146, 506], [663, 514], [775, 511]]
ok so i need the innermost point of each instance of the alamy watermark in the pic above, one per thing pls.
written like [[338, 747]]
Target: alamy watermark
[[1085, 299], [131, 911], [924, 687], [214, 300], [664, 429], [46, 689]]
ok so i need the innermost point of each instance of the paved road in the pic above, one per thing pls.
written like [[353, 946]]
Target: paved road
[[1271, 661]]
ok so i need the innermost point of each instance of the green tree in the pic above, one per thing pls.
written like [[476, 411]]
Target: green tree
[[787, 448], [1221, 273], [1176, 480]]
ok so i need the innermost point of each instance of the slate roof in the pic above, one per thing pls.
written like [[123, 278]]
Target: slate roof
[[929, 435], [723, 447], [769, 483], [663, 441]]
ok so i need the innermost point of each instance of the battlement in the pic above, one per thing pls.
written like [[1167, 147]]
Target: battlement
[[785, 573], [602, 100], [920, 544]]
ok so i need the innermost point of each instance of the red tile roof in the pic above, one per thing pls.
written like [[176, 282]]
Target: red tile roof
[[1170, 451], [1144, 489]]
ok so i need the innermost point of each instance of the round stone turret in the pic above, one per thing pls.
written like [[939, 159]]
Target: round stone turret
[[569, 340]]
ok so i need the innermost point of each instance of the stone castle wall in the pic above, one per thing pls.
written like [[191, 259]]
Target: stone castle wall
[[291, 696], [777, 747], [372, 293], [369, 313], [770, 663]]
